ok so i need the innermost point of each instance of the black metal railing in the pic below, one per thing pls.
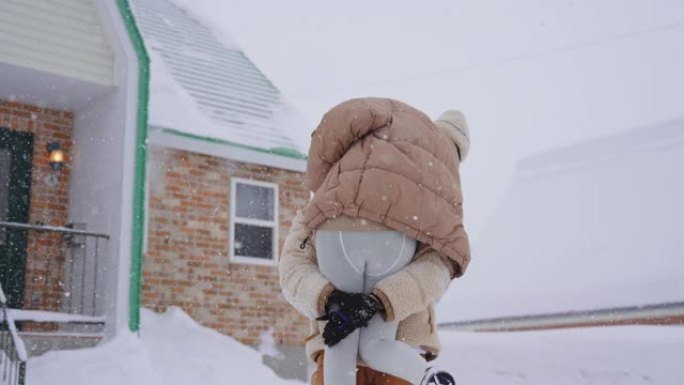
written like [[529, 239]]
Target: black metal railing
[[62, 271], [12, 349]]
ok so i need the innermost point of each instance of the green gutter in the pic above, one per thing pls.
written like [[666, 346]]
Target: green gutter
[[280, 151], [140, 159]]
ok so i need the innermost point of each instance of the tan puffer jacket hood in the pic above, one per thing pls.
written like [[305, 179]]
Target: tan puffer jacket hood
[[385, 161]]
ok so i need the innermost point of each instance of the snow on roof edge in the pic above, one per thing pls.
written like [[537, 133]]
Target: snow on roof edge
[[278, 158], [279, 151], [641, 139]]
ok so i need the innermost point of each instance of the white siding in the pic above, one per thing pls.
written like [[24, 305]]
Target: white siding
[[63, 37]]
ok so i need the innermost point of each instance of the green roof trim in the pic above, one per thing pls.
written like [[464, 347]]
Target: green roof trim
[[280, 151], [140, 161]]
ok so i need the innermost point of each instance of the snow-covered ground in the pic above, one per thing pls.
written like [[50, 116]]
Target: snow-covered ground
[[173, 349], [621, 355]]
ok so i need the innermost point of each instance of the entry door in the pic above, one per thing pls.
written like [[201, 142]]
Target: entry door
[[16, 150]]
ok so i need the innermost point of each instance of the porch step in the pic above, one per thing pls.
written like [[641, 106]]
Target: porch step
[[38, 343], [68, 331], [56, 317]]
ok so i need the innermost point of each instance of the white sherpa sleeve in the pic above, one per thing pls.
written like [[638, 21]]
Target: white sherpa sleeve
[[301, 282], [413, 288]]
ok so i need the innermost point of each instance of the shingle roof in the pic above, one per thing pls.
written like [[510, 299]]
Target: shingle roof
[[244, 107]]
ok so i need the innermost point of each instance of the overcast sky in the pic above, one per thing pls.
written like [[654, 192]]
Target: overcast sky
[[530, 75]]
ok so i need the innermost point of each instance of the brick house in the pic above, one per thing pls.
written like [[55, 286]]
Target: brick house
[[72, 124], [104, 208], [224, 182]]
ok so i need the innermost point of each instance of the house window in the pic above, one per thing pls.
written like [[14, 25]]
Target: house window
[[254, 221]]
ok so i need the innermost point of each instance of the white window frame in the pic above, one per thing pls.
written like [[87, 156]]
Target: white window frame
[[255, 222]]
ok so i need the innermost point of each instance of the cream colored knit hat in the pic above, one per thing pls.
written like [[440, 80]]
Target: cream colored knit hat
[[453, 124]]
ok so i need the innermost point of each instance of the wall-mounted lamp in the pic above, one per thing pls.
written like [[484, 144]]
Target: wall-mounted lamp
[[55, 155], [56, 161]]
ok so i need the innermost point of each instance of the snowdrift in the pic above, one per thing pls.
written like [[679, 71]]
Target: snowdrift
[[624, 355], [172, 350]]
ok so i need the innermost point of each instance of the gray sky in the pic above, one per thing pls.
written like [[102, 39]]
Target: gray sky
[[530, 75]]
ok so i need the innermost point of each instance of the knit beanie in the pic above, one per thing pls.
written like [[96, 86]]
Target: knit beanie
[[454, 125]]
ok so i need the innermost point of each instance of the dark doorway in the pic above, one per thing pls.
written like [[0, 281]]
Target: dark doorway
[[16, 152]]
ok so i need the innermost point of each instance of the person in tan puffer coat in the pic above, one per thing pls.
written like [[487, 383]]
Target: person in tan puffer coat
[[379, 165]]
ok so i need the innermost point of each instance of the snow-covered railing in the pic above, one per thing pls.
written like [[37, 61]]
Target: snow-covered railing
[[63, 269], [12, 350]]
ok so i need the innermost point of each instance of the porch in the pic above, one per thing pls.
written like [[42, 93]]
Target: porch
[[74, 79], [57, 298], [65, 264], [56, 274]]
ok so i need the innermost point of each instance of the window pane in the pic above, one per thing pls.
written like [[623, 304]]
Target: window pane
[[5, 162], [254, 202], [253, 241]]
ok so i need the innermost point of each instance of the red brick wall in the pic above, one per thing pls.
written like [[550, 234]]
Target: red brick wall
[[48, 205], [187, 259]]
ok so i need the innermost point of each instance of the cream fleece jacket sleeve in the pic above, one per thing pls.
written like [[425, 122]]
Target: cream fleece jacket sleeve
[[301, 282], [416, 286]]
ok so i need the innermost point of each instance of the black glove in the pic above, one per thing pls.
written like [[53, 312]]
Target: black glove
[[346, 312]]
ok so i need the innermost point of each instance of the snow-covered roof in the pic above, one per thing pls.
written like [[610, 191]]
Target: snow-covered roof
[[590, 226], [203, 85]]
